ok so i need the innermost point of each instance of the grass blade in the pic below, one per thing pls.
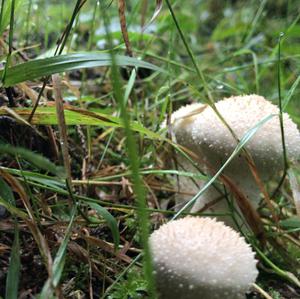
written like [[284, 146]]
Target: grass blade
[[59, 261], [138, 186], [77, 116], [110, 220], [6, 192], [12, 279], [295, 187], [5, 13], [38, 68], [36, 159], [290, 93]]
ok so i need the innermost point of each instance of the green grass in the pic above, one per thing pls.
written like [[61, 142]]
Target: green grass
[[87, 236]]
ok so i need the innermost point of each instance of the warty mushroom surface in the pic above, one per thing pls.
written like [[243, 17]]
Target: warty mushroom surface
[[200, 258]]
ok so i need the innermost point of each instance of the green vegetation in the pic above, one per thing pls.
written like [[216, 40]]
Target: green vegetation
[[85, 171]]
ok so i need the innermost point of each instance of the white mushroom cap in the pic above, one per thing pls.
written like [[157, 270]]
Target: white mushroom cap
[[201, 258], [242, 113], [206, 135]]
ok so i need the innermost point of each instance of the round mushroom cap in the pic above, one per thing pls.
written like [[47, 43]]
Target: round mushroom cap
[[201, 258], [207, 136], [215, 142]]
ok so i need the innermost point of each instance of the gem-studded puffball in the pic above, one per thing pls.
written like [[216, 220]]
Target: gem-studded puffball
[[242, 113], [204, 129], [198, 128], [200, 258]]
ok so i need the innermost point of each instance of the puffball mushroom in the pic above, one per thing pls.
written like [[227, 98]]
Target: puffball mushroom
[[198, 128], [200, 258]]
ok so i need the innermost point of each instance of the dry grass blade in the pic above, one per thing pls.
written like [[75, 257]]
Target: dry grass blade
[[144, 7], [25, 113], [20, 119], [106, 247], [31, 223], [42, 244], [17, 187], [122, 17], [261, 186], [158, 7], [251, 215], [62, 126], [261, 291], [295, 186], [52, 284], [192, 113], [88, 113], [84, 256], [32, 94]]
